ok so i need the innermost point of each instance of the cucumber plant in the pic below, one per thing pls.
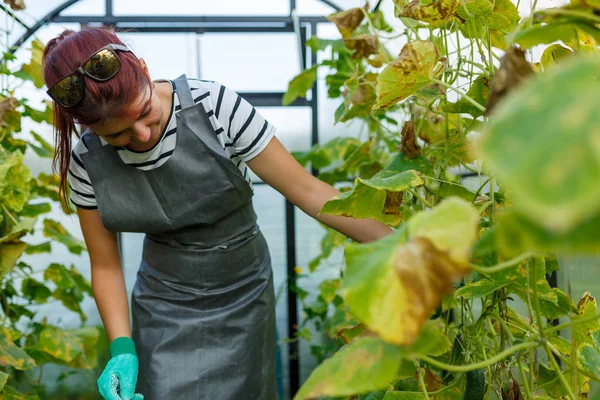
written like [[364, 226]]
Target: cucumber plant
[[455, 302]]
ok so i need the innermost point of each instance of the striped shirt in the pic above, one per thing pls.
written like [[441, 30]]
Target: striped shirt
[[242, 131]]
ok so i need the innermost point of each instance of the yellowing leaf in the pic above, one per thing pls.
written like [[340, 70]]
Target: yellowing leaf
[[411, 71], [434, 12], [365, 365], [347, 21], [9, 255], [60, 344], [434, 225], [380, 196], [12, 355], [582, 332], [393, 285], [554, 54], [363, 45]]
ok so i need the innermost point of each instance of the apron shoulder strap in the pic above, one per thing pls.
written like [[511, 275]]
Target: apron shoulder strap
[[91, 140], [183, 92]]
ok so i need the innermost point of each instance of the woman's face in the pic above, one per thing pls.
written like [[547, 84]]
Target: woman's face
[[138, 132]]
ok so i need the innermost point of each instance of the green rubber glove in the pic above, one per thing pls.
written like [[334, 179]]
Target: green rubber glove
[[119, 378]]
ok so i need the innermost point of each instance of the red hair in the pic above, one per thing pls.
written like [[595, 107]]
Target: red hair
[[111, 99]]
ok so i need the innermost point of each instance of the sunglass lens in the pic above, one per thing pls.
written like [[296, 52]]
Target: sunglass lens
[[68, 91], [103, 65]]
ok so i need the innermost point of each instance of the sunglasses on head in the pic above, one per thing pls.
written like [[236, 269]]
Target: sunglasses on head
[[101, 66]]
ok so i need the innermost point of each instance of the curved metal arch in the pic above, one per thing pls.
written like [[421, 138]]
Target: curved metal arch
[[47, 18], [54, 13]]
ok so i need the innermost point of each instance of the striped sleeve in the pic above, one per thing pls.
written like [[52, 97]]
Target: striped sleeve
[[81, 190], [246, 130]]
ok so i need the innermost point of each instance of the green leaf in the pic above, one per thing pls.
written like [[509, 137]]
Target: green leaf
[[407, 74], [378, 20], [394, 284], [9, 255], [89, 337], [299, 85], [480, 14], [449, 189], [478, 289], [70, 287], [431, 341], [35, 290], [553, 184], [516, 234], [3, 380], [12, 355], [39, 116], [374, 395], [317, 44], [33, 210], [56, 231], [518, 277], [19, 230], [71, 299], [321, 156], [328, 289], [564, 305], [378, 198], [10, 393], [546, 34], [367, 364], [39, 248], [588, 358], [479, 92]]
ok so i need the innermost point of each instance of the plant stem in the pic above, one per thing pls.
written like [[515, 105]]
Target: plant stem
[[483, 364], [418, 196], [503, 324], [501, 266], [556, 368], [524, 377], [469, 99], [421, 380], [538, 316]]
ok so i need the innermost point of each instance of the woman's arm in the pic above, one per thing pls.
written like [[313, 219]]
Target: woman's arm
[[278, 168], [108, 282]]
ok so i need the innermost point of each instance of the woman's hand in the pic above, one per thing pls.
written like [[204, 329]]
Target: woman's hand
[[119, 378], [278, 168]]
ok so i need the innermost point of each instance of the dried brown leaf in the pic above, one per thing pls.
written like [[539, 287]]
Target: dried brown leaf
[[514, 70], [409, 145], [347, 21]]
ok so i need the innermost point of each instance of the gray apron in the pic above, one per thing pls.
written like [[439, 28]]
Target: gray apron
[[203, 308]]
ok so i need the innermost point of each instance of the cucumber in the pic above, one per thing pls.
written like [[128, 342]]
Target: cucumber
[[475, 387], [456, 358]]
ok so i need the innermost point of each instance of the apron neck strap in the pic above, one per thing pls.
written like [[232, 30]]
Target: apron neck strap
[[91, 140], [183, 92]]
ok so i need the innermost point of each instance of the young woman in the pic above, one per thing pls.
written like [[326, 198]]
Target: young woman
[[169, 159]]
